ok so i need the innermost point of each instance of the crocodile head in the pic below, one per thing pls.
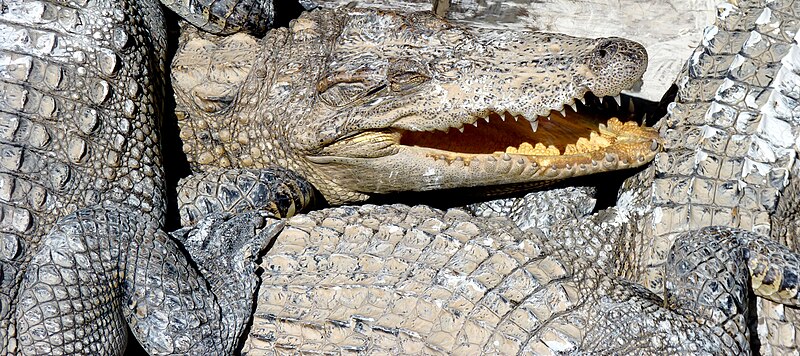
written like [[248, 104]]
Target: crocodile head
[[365, 101]]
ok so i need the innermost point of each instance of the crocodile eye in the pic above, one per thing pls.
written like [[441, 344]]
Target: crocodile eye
[[344, 89], [605, 50], [405, 74], [403, 81]]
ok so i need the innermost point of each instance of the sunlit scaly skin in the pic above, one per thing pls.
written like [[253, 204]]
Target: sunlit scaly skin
[[730, 152], [225, 16], [729, 159], [414, 280], [82, 202]]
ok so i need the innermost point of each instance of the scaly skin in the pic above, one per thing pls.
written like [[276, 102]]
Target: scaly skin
[[344, 92], [225, 16], [730, 154], [415, 280], [82, 199], [729, 159]]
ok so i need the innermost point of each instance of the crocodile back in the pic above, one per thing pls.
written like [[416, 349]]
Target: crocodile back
[[81, 85]]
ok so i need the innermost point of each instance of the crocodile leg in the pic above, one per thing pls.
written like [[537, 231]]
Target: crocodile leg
[[278, 191], [101, 268], [98, 265], [224, 248], [225, 16], [543, 210], [771, 267]]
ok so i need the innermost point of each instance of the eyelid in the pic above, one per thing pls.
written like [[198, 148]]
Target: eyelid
[[332, 79], [408, 75]]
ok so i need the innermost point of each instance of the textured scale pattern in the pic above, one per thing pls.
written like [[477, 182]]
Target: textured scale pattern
[[78, 109], [82, 200], [72, 275], [730, 147], [541, 210], [415, 280]]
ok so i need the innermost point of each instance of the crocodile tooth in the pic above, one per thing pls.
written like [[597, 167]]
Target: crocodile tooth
[[654, 145], [618, 99], [563, 112], [475, 123], [583, 145], [506, 157], [610, 157], [487, 119], [574, 107], [598, 139], [600, 98], [631, 106], [535, 124], [461, 129], [583, 101]]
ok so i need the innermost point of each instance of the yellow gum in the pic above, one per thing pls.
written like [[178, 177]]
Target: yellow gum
[[596, 141]]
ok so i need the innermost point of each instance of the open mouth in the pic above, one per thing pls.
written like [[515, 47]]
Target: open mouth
[[581, 129]]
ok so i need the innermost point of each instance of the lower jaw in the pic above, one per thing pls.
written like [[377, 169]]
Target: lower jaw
[[420, 169]]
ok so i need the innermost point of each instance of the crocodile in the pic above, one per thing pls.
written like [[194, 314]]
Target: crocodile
[[419, 103], [649, 275], [729, 159], [83, 252]]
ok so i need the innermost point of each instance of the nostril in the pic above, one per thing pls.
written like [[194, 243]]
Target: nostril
[[605, 50]]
